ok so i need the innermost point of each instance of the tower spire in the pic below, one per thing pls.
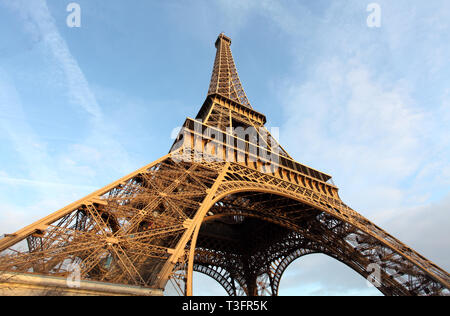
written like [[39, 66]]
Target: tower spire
[[225, 79]]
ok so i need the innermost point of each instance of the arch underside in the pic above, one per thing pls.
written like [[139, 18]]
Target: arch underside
[[249, 238]]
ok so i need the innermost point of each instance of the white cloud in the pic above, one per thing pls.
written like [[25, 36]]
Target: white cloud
[[422, 227], [100, 149], [25, 141], [364, 132], [71, 170], [38, 21], [350, 115]]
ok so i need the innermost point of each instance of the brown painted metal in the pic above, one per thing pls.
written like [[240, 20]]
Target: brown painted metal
[[227, 201], [225, 79]]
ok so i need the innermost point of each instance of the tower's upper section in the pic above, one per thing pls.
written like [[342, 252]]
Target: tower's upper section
[[225, 80]]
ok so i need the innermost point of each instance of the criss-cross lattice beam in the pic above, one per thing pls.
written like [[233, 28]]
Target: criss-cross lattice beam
[[125, 233]]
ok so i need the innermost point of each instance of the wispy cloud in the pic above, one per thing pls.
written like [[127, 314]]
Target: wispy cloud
[[72, 169], [45, 184], [25, 141], [38, 20], [354, 127]]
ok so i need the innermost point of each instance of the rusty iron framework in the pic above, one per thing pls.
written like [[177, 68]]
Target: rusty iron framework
[[223, 204]]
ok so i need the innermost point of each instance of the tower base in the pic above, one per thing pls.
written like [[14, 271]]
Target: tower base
[[22, 284]]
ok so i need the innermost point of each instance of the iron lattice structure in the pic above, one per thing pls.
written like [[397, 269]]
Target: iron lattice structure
[[227, 201]]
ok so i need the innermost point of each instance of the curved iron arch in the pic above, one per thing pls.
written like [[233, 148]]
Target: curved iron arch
[[285, 263], [224, 281], [391, 286], [315, 247], [408, 274]]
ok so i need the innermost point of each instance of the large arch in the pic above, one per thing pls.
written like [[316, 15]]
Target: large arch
[[288, 261], [279, 261], [228, 286], [363, 243]]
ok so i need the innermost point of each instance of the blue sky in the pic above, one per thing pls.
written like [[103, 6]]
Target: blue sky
[[81, 107]]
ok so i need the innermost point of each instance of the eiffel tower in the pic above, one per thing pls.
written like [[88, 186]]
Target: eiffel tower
[[227, 201]]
